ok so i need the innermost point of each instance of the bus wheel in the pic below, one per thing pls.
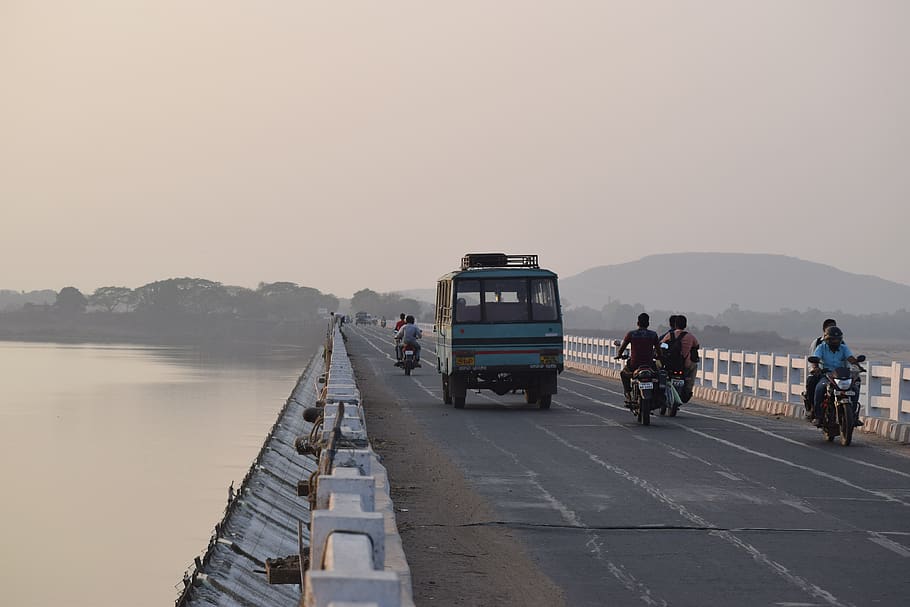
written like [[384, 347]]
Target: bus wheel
[[446, 392], [459, 401], [531, 396], [545, 400]]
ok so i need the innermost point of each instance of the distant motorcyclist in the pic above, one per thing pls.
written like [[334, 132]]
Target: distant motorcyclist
[[812, 378], [644, 345], [409, 334], [832, 354], [401, 322], [687, 344]]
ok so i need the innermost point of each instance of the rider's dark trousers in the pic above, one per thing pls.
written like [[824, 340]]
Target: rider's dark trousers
[[626, 376], [811, 384]]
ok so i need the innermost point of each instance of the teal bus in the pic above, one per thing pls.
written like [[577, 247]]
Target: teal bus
[[499, 327]]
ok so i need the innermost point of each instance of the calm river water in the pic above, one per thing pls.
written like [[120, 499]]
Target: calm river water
[[115, 463]]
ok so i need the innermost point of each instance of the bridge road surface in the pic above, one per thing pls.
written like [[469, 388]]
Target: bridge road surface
[[713, 507]]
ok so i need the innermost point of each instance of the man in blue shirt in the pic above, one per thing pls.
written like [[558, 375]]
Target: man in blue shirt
[[812, 378], [832, 354]]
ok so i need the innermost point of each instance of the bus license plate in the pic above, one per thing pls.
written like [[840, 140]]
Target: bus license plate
[[549, 359], [464, 361]]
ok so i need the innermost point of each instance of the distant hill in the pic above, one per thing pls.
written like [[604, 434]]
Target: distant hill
[[711, 282]]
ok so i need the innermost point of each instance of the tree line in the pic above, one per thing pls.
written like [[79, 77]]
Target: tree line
[[185, 310], [389, 305]]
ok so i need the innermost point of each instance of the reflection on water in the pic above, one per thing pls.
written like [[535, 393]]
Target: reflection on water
[[115, 463]]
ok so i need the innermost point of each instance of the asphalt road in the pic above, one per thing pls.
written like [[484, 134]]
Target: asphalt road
[[714, 507]]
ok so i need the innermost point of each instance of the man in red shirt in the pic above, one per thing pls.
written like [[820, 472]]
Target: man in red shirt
[[401, 322], [644, 345]]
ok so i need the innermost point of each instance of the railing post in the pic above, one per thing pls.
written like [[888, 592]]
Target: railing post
[[903, 392], [897, 381]]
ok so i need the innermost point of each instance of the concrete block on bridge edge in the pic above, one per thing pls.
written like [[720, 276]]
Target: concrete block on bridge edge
[[345, 514], [362, 459], [347, 480], [325, 588]]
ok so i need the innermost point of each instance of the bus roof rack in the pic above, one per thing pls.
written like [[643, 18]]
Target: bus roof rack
[[498, 260]]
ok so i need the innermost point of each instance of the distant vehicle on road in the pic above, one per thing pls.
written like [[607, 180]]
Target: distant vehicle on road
[[362, 318], [499, 327]]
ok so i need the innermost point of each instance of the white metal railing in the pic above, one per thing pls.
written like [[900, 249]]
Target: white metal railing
[[885, 392]]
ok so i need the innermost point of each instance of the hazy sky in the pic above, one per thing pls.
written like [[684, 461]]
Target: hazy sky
[[344, 145]]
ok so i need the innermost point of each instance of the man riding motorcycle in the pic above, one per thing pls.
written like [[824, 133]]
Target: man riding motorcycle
[[812, 378], [409, 333], [832, 354], [644, 345]]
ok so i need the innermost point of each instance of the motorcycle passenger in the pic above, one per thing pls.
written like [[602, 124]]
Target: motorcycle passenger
[[689, 345], [812, 378], [644, 345], [401, 322], [832, 354], [671, 322], [409, 333]]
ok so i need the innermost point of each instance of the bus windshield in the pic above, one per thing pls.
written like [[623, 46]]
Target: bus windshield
[[503, 300]]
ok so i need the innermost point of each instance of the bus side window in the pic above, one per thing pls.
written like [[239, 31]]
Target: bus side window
[[543, 300]]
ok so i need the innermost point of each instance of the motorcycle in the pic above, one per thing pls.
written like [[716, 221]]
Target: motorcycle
[[409, 361], [672, 382], [673, 387], [840, 407], [647, 392]]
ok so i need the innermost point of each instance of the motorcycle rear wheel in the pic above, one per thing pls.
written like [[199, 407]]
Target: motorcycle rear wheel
[[644, 412]]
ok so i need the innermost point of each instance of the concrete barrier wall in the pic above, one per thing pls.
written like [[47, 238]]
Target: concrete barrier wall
[[355, 552], [767, 382]]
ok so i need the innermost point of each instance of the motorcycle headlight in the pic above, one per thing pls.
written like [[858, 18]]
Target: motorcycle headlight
[[844, 384]]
